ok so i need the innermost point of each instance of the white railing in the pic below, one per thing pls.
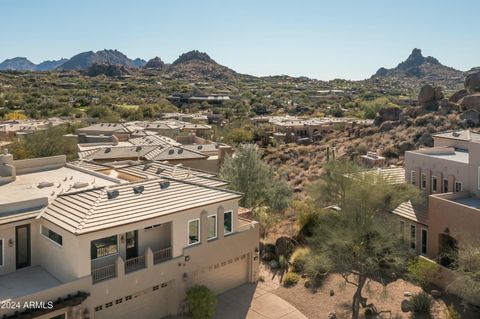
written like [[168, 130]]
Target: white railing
[[244, 224], [134, 264], [104, 273], [162, 255]]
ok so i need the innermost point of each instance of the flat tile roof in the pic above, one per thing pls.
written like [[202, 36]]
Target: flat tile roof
[[92, 210]]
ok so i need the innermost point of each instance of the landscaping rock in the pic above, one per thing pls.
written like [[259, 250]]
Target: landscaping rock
[[387, 114], [457, 96], [472, 82], [407, 294], [427, 94], [425, 140], [332, 315], [471, 102], [435, 293], [471, 117], [274, 264], [406, 146], [388, 126]]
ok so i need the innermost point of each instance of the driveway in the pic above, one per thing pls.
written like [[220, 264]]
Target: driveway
[[254, 301]]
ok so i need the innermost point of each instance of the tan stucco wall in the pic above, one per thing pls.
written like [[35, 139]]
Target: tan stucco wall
[[462, 221]]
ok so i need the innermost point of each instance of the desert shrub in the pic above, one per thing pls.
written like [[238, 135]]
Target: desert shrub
[[451, 313], [290, 279], [201, 302], [298, 259], [284, 246], [421, 303], [423, 271], [283, 262], [316, 268]]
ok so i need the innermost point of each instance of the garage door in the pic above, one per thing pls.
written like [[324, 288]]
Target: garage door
[[225, 275], [151, 303]]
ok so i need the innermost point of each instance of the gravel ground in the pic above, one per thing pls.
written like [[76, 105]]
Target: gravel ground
[[387, 299]]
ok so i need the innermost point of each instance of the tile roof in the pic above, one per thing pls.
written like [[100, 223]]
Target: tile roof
[[174, 152], [91, 210], [392, 175], [414, 212]]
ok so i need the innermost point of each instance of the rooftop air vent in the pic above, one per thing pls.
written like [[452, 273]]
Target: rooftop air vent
[[138, 189], [456, 134], [108, 150], [147, 166], [160, 170], [171, 152], [138, 149], [44, 184], [199, 147], [164, 184], [80, 184], [112, 194]]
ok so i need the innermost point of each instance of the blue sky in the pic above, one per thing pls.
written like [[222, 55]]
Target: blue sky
[[319, 39]]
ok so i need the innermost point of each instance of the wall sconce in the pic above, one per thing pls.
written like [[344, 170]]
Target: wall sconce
[[10, 242], [122, 239], [187, 258]]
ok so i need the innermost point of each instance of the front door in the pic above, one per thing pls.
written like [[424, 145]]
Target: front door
[[132, 244], [22, 247]]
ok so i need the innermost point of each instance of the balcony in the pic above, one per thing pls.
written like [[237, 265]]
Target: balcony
[[117, 266]]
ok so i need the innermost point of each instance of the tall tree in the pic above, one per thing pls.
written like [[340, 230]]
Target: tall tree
[[249, 174], [361, 241], [467, 271]]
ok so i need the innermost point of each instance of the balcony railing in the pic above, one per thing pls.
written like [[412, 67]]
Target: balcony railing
[[162, 255], [104, 273], [134, 264], [244, 224]]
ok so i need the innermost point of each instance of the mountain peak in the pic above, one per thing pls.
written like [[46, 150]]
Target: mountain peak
[[193, 55], [17, 63], [155, 63]]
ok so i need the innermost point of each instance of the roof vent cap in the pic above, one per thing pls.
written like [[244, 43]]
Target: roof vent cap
[[108, 150], [138, 149], [171, 152], [80, 184], [160, 170], [138, 189], [180, 151], [147, 166], [164, 184], [44, 184], [112, 194]]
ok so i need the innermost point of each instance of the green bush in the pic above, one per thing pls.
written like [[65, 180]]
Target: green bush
[[298, 259], [451, 313], [201, 302], [421, 303], [283, 262], [290, 279], [423, 271]]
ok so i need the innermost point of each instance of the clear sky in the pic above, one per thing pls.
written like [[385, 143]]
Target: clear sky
[[319, 39]]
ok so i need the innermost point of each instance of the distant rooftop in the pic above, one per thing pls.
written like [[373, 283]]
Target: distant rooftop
[[463, 135], [445, 153]]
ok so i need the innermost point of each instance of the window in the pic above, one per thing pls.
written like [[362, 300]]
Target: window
[[424, 241], [445, 185], [212, 226], [153, 226], [402, 231], [434, 184], [50, 234], [104, 247], [1, 252], [412, 177], [413, 234], [227, 222], [458, 186], [423, 181], [193, 231]]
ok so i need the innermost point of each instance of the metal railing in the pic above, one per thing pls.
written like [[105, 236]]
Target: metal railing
[[103, 273], [162, 255], [134, 264]]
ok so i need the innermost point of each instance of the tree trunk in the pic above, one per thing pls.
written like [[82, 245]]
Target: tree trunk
[[357, 297]]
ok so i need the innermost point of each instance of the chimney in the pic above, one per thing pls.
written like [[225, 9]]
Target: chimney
[[223, 151], [6, 166]]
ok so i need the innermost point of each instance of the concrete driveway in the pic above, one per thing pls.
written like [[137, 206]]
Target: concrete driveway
[[254, 301]]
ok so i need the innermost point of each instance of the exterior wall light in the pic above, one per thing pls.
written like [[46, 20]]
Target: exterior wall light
[[10, 242]]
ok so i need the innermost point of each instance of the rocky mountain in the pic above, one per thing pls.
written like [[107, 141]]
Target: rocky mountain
[[155, 63], [50, 64], [107, 69], [18, 63], [198, 65], [420, 69], [194, 55], [84, 60], [139, 63]]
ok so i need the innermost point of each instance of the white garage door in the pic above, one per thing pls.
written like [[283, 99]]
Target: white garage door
[[225, 275], [150, 303]]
